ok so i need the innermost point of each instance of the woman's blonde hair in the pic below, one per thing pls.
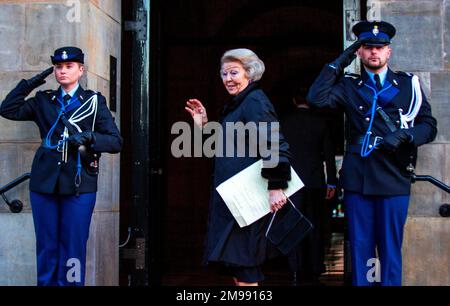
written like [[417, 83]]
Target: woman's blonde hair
[[252, 64]]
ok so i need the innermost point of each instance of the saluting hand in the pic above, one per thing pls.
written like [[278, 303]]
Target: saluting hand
[[39, 79], [277, 199], [197, 111], [347, 57]]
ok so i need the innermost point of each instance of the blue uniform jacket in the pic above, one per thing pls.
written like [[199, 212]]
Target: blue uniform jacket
[[49, 174], [380, 173], [226, 241]]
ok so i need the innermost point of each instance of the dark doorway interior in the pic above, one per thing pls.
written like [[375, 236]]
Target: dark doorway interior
[[126, 205], [294, 38]]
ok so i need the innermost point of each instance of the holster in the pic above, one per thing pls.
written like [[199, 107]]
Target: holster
[[89, 160], [406, 156]]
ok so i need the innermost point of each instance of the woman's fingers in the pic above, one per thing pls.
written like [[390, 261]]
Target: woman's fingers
[[195, 102], [277, 200], [276, 206], [196, 106], [190, 111]]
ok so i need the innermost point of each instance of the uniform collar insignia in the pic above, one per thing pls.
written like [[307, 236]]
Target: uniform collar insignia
[[80, 93]]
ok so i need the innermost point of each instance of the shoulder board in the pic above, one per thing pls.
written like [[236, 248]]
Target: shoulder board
[[90, 92], [402, 73], [50, 93], [47, 91], [352, 75]]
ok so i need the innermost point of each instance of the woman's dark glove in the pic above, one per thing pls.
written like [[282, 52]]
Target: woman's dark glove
[[84, 138], [39, 79]]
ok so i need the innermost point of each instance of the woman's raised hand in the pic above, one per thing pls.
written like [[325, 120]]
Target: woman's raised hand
[[197, 111]]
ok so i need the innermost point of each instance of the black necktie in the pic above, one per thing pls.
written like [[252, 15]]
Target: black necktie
[[66, 99], [378, 82]]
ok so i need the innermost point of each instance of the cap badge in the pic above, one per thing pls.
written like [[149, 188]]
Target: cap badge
[[375, 30], [64, 55]]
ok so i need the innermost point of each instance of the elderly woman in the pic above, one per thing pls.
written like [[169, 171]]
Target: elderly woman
[[242, 251]]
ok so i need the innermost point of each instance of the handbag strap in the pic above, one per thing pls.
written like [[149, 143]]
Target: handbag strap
[[274, 215]]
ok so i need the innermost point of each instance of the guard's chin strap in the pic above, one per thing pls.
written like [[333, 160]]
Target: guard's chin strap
[[407, 120]]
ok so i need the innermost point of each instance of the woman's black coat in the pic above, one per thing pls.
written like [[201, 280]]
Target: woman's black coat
[[226, 242]]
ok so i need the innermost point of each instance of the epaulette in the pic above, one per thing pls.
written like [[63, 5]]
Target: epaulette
[[89, 93], [50, 93], [402, 73], [47, 92], [92, 92], [351, 75]]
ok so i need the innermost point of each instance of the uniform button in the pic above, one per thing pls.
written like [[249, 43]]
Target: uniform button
[[361, 108], [398, 121], [59, 163], [367, 119], [370, 146]]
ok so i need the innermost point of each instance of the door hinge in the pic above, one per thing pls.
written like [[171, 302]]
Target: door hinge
[[137, 254], [139, 26]]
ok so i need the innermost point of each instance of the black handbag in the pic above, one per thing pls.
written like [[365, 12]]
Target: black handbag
[[287, 228]]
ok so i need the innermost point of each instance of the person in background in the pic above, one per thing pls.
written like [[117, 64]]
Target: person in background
[[310, 145]]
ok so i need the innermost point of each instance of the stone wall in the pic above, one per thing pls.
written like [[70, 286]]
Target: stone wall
[[30, 30], [422, 46]]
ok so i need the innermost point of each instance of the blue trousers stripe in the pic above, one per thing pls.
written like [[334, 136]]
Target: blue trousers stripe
[[62, 229], [376, 226]]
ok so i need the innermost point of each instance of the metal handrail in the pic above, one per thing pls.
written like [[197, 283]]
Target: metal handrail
[[430, 179], [444, 210], [15, 206]]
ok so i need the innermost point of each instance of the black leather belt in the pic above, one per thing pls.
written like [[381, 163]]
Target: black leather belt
[[356, 140], [354, 144]]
